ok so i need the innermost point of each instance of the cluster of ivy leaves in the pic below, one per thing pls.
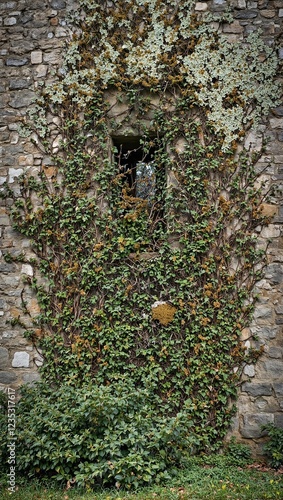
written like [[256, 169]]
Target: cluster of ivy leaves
[[106, 256]]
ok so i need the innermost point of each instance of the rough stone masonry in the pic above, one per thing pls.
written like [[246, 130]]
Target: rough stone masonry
[[31, 41]]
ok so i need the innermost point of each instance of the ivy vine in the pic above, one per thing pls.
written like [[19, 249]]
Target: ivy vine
[[156, 292]]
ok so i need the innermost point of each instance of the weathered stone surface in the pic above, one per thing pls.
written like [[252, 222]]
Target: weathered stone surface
[[16, 61], [268, 13], [246, 14], [275, 352], [278, 420], [274, 273], [7, 378], [257, 389], [36, 57], [251, 427], [14, 173], [234, 27], [278, 387], [4, 358], [9, 21], [31, 377], [201, 6], [249, 370], [22, 99], [41, 71], [27, 269], [20, 360], [58, 4], [274, 368], [263, 312], [277, 122], [278, 111], [7, 268]]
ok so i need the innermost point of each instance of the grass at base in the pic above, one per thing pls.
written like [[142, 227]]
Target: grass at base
[[193, 483]]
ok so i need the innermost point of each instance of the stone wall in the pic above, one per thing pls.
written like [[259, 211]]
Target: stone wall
[[32, 34]]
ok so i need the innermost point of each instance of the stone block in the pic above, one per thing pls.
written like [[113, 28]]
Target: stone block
[[4, 358], [234, 27], [278, 420], [270, 231], [27, 269], [251, 428], [278, 111], [278, 388], [268, 210], [36, 57], [41, 71], [10, 21], [20, 360], [22, 99], [261, 404], [16, 61], [14, 173], [7, 267], [249, 370], [58, 4], [7, 377], [30, 378], [275, 352], [257, 389], [33, 307], [263, 312], [252, 4], [273, 368], [277, 122], [52, 57], [246, 14], [262, 4], [269, 14], [201, 6], [274, 273], [60, 32]]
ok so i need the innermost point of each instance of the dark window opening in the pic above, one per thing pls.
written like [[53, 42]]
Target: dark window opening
[[142, 172], [138, 167]]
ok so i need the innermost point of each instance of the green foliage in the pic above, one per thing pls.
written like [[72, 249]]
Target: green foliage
[[106, 258], [233, 454], [93, 435], [274, 447], [218, 481], [239, 454]]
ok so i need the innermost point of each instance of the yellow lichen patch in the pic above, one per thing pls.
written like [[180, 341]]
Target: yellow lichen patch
[[163, 312]]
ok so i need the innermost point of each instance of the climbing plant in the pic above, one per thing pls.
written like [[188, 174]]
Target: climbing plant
[[152, 290]]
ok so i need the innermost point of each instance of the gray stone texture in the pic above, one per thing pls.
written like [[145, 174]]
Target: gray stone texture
[[257, 389], [8, 377], [252, 424], [4, 358], [20, 360], [16, 61], [278, 387], [31, 377]]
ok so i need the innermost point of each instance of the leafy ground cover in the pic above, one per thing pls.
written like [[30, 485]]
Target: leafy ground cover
[[216, 480]]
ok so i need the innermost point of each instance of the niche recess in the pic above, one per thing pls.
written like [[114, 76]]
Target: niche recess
[[136, 163]]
